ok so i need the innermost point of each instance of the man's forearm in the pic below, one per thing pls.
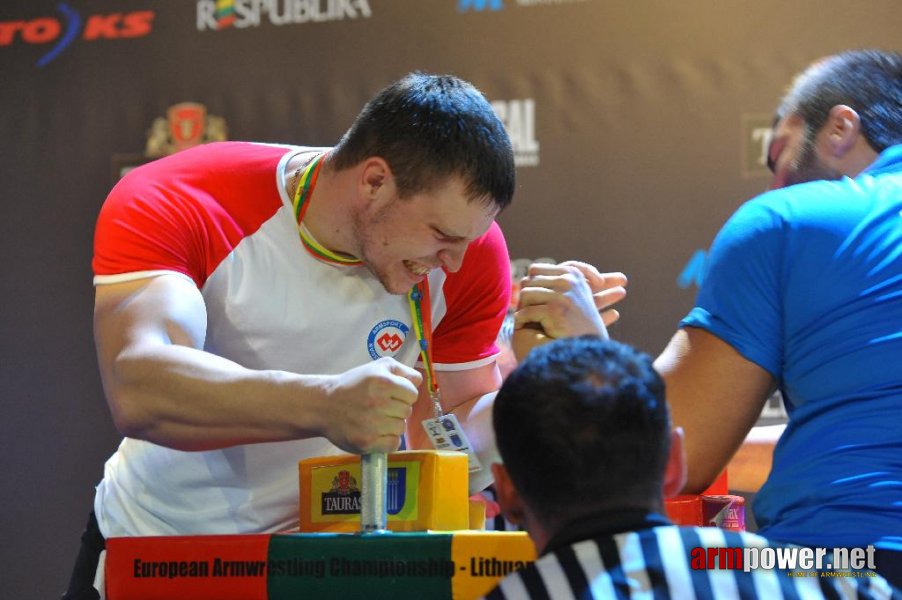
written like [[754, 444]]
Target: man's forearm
[[188, 399]]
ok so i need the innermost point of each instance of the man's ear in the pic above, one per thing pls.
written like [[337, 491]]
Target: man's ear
[[842, 129], [675, 472], [507, 496], [375, 176]]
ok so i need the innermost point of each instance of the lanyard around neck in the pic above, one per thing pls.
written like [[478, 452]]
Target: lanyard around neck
[[306, 183], [420, 313]]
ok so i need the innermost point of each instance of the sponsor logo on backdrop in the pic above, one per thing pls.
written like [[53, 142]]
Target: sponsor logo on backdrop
[[186, 124], [496, 5], [224, 14], [519, 118], [540, 2], [70, 26], [694, 271], [465, 5], [756, 134]]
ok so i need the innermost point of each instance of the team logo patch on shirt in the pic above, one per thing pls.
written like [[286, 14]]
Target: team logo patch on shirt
[[386, 338]]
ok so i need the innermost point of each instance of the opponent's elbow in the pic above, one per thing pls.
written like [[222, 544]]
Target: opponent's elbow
[[697, 483]]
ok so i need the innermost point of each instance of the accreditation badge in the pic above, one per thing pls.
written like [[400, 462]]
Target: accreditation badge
[[445, 433]]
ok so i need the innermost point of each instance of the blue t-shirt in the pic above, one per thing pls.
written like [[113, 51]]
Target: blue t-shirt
[[806, 282]]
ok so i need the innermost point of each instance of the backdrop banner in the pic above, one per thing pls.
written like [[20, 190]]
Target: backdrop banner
[[639, 127]]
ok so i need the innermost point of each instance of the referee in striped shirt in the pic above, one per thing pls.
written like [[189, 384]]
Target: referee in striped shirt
[[588, 457]]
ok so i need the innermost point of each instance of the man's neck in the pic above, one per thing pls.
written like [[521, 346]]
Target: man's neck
[[329, 205], [602, 522], [858, 159]]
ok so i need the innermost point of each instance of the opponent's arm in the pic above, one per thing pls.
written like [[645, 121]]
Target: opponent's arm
[[750, 466], [715, 395], [163, 387]]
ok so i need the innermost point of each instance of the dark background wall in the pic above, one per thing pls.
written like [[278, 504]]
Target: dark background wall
[[638, 125]]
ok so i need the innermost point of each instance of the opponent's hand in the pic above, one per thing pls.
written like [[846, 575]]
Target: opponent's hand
[[569, 299], [607, 289], [368, 406]]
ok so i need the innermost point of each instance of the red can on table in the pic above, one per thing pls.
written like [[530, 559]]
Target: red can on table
[[726, 512]]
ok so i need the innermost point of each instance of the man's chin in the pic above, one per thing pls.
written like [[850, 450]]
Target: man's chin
[[395, 290], [392, 285], [395, 283]]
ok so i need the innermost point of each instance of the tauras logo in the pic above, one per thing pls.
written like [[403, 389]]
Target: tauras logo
[[519, 118], [336, 504], [222, 14]]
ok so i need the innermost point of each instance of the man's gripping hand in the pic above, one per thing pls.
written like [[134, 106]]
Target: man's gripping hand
[[367, 406]]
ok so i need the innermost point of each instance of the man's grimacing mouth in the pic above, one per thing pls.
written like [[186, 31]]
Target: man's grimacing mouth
[[416, 268]]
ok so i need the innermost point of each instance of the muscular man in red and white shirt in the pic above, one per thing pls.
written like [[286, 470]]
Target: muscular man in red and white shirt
[[256, 357], [251, 309]]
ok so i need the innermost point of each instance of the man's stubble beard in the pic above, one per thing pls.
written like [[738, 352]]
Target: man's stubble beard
[[808, 166], [365, 241]]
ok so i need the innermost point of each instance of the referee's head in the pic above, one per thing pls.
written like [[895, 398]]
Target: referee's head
[[582, 426]]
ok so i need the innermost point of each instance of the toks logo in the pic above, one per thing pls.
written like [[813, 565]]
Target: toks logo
[[67, 29]]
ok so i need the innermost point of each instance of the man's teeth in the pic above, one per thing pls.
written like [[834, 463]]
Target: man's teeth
[[416, 268]]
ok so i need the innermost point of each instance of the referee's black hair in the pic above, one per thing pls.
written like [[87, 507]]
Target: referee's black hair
[[582, 424]]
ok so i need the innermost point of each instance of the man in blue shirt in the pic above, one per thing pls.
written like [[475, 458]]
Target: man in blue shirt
[[803, 290], [588, 456]]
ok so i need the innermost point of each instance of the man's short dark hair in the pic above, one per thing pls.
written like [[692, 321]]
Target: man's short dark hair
[[582, 424], [868, 81], [429, 128]]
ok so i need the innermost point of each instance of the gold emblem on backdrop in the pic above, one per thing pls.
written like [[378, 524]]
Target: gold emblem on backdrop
[[185, 125]]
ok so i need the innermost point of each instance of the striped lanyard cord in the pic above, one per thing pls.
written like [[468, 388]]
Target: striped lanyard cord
[[418, 298], [306, 183]]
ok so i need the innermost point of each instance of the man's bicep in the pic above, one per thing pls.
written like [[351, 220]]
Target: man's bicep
[[715, 395], [133, 315]]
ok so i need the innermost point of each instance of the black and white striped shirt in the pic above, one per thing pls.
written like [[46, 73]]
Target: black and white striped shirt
[[656, 563]]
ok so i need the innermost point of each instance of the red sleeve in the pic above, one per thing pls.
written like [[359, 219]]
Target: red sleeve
[[477, 298], [179, 214]]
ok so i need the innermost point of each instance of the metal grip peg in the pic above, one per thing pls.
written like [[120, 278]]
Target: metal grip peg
[[373, 490]]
